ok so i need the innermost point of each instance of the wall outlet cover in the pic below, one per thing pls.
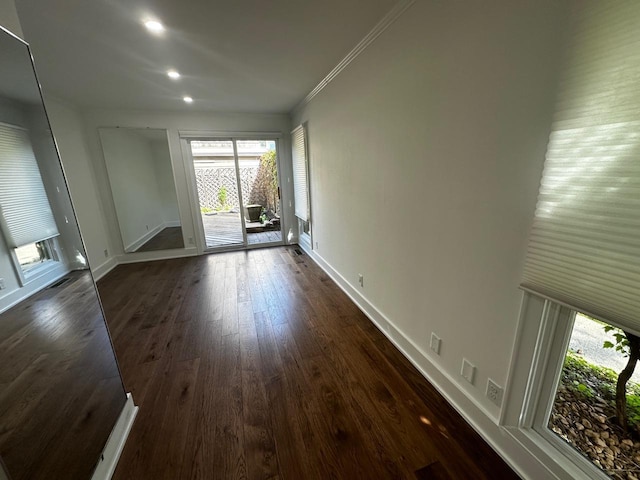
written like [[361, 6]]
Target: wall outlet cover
[[468, 371], [435, 343], [494, 393]]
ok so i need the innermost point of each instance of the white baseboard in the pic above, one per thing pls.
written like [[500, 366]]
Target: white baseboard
[[172, 223], [111, 453], [136, 257], [101, 270], [498, 437], [136, 244]]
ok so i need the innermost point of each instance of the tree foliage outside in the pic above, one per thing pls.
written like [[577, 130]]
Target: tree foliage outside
[[222, 198], [265, 187], [628, 345]]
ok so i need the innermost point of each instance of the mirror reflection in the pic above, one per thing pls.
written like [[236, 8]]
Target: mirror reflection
[[143, 188], [60, 388]]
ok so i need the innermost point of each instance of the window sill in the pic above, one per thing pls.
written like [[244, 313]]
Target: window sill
[[562, 461], [34, 273]]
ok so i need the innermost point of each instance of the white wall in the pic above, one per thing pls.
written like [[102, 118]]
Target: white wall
[[9, 17], [174, 122], [425, 158]]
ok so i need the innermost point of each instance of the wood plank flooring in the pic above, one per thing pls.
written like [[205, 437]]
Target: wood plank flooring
[[166, 239], [60, 391], [255, 365], [225, 229]]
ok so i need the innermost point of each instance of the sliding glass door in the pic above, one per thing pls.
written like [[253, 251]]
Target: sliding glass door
[[238, 192]]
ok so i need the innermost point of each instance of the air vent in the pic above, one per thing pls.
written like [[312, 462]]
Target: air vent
[[59, 283], [298, 251]]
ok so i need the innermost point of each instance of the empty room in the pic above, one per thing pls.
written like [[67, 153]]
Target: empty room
[[381, 239]]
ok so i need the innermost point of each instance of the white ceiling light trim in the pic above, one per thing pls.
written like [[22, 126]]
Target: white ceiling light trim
[[375, 32], [173, 74], [187, 99], [154, 26]]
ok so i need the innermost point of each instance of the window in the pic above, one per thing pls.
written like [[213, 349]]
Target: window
[[26, 215], [583, 412], [34, 254], [300, 173], [26, 218], [583, 258]]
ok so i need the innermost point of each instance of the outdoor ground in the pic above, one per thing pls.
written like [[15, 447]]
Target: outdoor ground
[[584, 409], [225, 228]]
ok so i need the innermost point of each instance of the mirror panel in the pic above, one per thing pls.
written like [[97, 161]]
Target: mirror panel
[[60, 388], [143, 189]]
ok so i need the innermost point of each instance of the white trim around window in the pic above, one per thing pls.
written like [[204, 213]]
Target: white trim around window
[[543, 336], [34, 273]]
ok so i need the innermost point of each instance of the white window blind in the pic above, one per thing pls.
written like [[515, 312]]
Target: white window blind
[[584, 247], [25, 213], [300, 174]]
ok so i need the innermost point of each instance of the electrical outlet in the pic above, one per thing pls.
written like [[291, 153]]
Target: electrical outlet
[[2, 284], [468, 371], [147, 227], [435, 343], [361, 279], [494, 392], [106, 252], [190, 240], [316, 245]]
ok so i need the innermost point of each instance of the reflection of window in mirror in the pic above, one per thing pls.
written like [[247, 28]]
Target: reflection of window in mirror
[[33, 256], [28, 224]]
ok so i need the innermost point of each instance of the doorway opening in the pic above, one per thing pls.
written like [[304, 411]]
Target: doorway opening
[[238, 191]]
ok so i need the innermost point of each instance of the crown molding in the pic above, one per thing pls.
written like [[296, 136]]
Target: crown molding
[[369, 38]]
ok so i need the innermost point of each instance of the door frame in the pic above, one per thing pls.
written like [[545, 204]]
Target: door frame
[[186, 136]]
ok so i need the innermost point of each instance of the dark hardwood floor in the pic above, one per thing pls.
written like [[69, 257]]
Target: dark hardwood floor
[[166, 239], [256, 365], [60, 391]]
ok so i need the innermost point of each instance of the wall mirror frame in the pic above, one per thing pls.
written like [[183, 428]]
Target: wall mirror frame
[[143, 188], [61, 392]]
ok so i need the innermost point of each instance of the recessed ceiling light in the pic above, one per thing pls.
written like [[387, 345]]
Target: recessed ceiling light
[[187, 99], [173, 74], [154, 26]]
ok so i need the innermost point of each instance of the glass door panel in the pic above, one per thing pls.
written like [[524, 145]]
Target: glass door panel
[[218, 196], [258, 167]]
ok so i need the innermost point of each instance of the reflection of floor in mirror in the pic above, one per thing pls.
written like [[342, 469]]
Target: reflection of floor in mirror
[[226, 229], [166, 239], [60, 393]]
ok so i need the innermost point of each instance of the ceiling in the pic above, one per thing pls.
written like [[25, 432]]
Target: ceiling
[[235, 55]]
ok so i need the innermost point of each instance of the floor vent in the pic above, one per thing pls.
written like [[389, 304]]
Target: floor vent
[[298, 251], [59, 283]]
